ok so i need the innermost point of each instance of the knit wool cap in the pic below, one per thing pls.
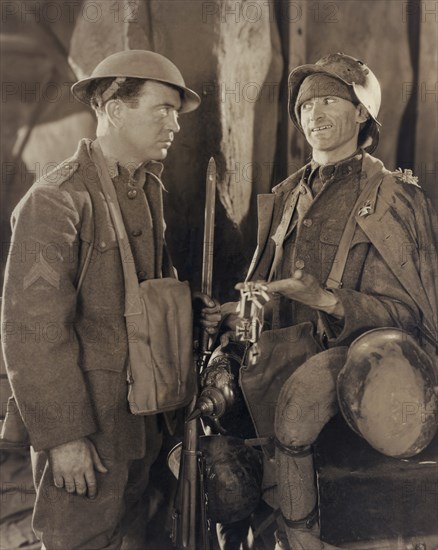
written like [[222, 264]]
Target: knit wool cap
[[320, 85]]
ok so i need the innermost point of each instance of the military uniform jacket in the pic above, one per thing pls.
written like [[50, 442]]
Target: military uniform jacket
[[391, 274], [66, 353]]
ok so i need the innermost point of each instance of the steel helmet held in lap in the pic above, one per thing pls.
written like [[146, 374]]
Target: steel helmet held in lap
[[387, 392]]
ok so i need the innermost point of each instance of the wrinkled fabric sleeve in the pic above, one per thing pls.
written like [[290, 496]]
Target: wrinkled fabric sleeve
[[40, 346], [380, 301]]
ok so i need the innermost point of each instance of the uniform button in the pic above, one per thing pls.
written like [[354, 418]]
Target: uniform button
[[307, 222], [141, 274], [299, 264], [303, 190], [349, 169], [103, 244], [132, 193], [136, 232]]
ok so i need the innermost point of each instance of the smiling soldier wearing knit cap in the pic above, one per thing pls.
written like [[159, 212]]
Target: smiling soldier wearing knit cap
[[329, 249]]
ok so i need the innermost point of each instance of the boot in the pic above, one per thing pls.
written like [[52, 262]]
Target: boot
[[297, 497], [300, 537]]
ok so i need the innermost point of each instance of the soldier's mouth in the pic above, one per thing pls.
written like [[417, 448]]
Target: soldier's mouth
[[320, 128]]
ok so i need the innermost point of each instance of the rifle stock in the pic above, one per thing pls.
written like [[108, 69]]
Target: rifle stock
[[186, 534]]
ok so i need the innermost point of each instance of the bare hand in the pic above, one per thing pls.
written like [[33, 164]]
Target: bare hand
[[73, 466], [209, 317], [305, 288]]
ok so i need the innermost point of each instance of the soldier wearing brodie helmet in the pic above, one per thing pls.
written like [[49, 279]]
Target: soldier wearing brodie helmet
[[116, 69], [92, 456], [330, 247]]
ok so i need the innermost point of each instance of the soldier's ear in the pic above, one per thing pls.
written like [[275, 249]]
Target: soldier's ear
[[114, 112], [362, 113]]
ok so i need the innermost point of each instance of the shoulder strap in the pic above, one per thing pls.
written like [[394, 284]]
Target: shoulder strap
[[334, 279], [85, 267], [132, 293]]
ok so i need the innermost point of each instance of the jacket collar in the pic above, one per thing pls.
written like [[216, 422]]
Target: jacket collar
[[339, 170], [154, 168]]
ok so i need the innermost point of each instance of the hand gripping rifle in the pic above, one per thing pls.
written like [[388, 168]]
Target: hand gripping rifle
[[190, 515]]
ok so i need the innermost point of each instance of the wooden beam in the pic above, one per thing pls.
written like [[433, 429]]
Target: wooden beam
[[426, 163]]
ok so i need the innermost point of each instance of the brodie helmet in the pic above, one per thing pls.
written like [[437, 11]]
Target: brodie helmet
[[232, 475], [137, 64], [387, 392], [352, 72]]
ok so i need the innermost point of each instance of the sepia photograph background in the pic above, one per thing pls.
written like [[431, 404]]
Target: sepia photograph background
[[236, 54]]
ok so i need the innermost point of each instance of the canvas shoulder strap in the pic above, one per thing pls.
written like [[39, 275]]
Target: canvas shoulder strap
[[132, 295], [85, 267], [334, 279]]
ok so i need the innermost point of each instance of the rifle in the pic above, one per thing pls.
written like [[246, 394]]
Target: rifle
[[189, 529]]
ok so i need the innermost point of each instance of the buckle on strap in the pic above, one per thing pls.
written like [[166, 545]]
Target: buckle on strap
[[293, 451], [308, 522]]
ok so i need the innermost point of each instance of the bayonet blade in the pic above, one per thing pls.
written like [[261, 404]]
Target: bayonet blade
[[208, 247]]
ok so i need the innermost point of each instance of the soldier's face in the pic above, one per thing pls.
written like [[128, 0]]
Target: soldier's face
[[331, 124], [150, 124]]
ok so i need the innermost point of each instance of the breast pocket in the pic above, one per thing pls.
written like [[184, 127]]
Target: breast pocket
[[331, 233], [106, 256], [329, 239], [105, 268]]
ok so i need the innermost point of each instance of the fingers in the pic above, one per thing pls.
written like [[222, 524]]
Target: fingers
[[69, 484], [90, 479], [210, 321], [210, 316], [279, 286], [210, 328], [73, 465], [296, 282], [58, 481], [81, 485], [96, 460], [226, 338], [211, 304]]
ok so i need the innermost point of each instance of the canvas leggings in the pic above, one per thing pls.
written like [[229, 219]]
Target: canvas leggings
[[69, 522], [307, 401]]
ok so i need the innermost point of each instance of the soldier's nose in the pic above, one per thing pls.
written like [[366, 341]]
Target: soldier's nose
[[316, 111], [173, 122]]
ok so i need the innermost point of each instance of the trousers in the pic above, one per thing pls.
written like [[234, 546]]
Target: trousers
[[64, 521], [308, 398]]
